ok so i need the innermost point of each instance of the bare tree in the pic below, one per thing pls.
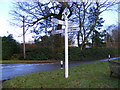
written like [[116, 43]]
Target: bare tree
[[113, 36], [116, 36], [88, 16], [38, 15]]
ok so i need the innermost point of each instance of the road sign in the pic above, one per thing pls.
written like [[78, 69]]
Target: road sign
[[73, 29], [71, 24], [58, 31], [70, 29], [58, 21]]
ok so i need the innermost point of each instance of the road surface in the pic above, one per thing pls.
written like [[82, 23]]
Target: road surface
[[17, 69]]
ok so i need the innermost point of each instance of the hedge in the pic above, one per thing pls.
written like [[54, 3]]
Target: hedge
[[38, 53], [75, 53], [92, 53]]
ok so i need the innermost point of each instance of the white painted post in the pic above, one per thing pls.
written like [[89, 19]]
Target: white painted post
[[109, 56], [61, 62], [66, 46]]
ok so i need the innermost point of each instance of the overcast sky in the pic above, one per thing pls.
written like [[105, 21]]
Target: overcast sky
[[110, 17]]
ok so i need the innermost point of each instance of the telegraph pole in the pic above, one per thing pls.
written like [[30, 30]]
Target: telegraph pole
[[24, 54]]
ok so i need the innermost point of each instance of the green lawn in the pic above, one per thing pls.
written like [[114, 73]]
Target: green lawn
[[93, 75], [27, 61]]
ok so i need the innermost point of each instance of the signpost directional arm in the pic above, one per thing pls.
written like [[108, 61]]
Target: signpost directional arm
[[58, 21]]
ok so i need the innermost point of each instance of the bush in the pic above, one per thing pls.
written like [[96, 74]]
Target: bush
[[39, 53], [60, 56], [75, 53], [15, 57], [91, 53], [9, 47]]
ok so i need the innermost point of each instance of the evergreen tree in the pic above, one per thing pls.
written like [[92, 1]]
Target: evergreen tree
[[9, 47], [97, 39]]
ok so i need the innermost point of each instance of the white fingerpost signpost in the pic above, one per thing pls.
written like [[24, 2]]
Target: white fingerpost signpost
[[66, 30]]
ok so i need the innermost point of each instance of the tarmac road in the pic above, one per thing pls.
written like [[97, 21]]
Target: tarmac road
[[17, 69]]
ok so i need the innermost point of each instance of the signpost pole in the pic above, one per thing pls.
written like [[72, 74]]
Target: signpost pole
[[66, 46]]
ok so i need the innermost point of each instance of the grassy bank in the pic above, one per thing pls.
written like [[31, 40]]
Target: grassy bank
[[27, 61], [93, 75]]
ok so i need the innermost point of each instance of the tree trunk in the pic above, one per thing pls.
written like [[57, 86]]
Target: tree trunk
[[91, 29], [78, 38]]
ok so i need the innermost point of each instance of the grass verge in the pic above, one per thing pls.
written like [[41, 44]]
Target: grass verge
[[27, 61], [93, 75]]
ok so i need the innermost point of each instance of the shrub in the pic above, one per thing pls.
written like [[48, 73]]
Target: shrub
[[91, 53], [60, 56], [9, 47], [75, 53], [40, 53], [15, 57]]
